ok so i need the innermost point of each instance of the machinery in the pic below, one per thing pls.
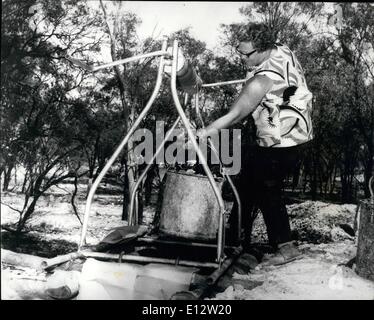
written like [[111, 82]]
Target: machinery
[[197, 224]]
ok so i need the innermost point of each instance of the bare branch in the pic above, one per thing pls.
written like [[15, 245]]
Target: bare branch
[[9, 206]]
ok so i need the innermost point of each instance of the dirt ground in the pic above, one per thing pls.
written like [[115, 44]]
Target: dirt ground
[[320, 275], [322, 231]]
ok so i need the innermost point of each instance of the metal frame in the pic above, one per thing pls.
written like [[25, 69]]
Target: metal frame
[[133, 214], [217, 84], [91, 68]]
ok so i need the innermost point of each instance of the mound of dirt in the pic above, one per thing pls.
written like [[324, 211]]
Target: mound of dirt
[[314, 222]]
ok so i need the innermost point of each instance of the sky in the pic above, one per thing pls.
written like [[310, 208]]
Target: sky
[[164, 17]]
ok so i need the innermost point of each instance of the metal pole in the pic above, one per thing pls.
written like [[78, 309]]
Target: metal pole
[[131, 207], [198, 151], [236, 194], [120, 147], [117, 62], [181, 243], [128, 257], [217, 84]]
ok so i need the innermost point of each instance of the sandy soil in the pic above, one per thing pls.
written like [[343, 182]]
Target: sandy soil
[[321, 274]]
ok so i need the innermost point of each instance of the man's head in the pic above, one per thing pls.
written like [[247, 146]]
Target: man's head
[[255, 40]]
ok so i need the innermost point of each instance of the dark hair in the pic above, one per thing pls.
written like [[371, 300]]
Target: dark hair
[[260, 34]]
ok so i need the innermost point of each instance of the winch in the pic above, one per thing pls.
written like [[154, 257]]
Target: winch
[[193, 212]]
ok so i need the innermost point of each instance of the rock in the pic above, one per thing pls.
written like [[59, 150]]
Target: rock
[[63, 285], [238, 287], [245, 263], [328, 256], [338, 234], [229, 293], [348, 229]]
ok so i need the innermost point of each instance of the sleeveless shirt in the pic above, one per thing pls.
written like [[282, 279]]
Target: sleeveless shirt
[[283, 118]]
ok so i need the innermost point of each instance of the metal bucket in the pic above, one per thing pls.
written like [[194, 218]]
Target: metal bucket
[[190, 208], [188, 78]]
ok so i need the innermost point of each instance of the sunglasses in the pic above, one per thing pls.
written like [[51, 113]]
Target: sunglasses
[[248, 54]]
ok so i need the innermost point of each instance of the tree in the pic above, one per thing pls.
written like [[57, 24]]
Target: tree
[[340, 69], [356, 39], [37, 86]]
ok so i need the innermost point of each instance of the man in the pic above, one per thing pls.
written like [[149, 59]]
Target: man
[[280, 103]]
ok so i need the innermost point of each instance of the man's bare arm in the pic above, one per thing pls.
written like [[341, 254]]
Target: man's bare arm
[[249, 98]]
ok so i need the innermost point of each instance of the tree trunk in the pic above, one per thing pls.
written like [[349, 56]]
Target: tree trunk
[[30, 210], [7, 177], [368, 172], [89, 185], [131, 172], [345, 189], [24, 182], [75, 209], [126, 196], [91, 165], [333, 181], [15, 176], [148, 185], [21, 259], [314, 179], [365, 252]]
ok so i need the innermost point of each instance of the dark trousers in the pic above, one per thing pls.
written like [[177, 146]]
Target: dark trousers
[[260, 186]]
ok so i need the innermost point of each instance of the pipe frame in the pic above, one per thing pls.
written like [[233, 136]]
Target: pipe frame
[[144, 259], [161, 52], [117, 62], [224, 83]]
